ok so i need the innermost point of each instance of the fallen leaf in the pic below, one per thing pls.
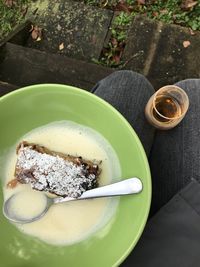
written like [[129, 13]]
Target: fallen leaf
[[186, 44], [141, 2], [116, 59], [61, 46], [155, 13], [188, 4], [192, 32], [9, 3], [38, 39], [123, 6], [36, 33]]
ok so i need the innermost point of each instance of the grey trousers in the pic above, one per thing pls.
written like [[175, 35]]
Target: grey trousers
[[172, 235]]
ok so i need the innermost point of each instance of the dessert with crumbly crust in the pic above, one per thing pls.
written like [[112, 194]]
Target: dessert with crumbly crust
[[54, 172]]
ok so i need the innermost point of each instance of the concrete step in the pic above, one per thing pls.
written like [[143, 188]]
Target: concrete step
[[24, 66], [81, 29], [157, 51]]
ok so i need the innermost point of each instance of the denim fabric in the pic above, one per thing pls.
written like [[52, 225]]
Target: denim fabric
[[175, 156], [129, 92], [172, 236]]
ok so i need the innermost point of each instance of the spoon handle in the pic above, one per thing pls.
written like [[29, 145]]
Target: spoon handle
[[125, 187]]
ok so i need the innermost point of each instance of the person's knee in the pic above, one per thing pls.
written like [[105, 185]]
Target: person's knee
[[128, 75], [189, 85], [124, 82]]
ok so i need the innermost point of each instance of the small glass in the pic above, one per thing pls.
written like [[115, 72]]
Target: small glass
[[167, 107]]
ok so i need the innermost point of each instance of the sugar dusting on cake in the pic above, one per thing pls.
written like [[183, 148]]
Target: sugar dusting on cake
[[53, 174]]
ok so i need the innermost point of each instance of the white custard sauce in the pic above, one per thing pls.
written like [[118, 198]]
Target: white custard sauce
[[71, 222]]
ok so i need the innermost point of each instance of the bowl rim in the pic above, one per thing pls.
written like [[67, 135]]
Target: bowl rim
[[46, 86]]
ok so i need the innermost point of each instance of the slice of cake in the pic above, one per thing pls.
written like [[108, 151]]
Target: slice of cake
[[54, 172]]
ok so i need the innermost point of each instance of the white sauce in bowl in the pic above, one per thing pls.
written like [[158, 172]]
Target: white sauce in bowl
[[71, 222]]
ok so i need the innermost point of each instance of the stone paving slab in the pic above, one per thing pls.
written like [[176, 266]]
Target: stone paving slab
[[140, 37], [82, 29], [174, 62], [156, 50]]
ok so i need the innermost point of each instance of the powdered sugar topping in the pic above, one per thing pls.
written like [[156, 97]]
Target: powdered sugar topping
[[53, 174]]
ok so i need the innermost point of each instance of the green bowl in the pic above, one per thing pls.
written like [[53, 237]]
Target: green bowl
[[37, 105]]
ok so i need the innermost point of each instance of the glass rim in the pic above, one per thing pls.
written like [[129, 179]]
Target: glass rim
[[168, 118]]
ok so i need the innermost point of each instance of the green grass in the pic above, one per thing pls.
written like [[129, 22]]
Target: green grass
[[11, 16], [120, 25], [112, 53], [168, 11]]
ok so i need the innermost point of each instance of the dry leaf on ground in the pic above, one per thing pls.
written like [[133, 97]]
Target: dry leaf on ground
[[36, 33], [155, 13], [188, 4], [123, 6], [186, 44], [141, 2], [192, 32], [116, 59], [61, 46]]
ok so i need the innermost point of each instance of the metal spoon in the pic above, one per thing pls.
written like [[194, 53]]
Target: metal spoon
[[125, 187]]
